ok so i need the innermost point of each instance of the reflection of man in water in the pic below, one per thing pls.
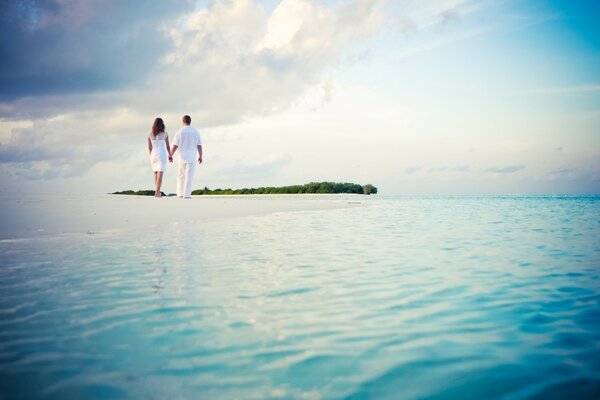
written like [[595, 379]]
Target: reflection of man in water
[[188, 141]]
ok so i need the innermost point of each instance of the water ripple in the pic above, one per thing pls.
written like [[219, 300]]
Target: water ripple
[[429, 298]]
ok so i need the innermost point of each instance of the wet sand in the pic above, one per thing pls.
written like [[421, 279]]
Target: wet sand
[[34, 215]]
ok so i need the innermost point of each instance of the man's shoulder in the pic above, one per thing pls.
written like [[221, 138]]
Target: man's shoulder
[[192, 131]]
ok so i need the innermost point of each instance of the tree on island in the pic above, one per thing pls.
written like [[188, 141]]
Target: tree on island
[[369, 189], [313, 187]]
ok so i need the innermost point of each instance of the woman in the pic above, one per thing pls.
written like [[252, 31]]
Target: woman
[[159, 149]]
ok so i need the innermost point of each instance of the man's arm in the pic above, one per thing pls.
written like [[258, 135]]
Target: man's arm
[[199, 154]]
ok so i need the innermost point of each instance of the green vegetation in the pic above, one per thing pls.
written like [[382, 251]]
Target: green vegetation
[[313, 187], [369, 189], [139, 192]]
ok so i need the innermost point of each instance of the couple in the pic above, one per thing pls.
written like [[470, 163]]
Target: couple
[[188, 141]]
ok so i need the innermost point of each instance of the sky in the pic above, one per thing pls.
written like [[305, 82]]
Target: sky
[[415, 97]]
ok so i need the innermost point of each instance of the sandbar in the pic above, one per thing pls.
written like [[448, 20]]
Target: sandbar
[[38, 215]]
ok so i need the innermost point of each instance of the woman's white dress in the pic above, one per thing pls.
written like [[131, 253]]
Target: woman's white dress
[[159, 155]]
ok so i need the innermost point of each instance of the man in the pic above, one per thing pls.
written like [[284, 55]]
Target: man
[[188, 141]]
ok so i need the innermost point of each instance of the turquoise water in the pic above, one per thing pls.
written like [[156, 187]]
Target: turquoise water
[[401, 298]]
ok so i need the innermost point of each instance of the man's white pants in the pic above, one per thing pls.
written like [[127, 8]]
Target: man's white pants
[[184, 179]]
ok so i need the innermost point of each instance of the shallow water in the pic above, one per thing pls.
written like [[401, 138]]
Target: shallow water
[[402, 298]]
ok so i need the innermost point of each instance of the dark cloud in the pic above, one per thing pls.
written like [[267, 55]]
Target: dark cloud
[[37, 108], [26, 154], [70, 46], [449, 16], [438, 169], [564, 170], [412, 169], [505, 170]]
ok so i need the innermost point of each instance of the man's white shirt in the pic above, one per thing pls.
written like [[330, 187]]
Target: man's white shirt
[[187, 139]]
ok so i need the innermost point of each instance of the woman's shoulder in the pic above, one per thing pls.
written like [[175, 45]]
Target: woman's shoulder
[[159, 136]]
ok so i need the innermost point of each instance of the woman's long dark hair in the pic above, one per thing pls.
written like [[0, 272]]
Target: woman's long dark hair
[[158, 126]]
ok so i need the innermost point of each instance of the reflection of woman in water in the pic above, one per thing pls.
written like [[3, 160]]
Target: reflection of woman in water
[[159, 149]]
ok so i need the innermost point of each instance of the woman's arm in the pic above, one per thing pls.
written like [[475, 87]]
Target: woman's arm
[[149, 146], [172, 152], [168, 146]]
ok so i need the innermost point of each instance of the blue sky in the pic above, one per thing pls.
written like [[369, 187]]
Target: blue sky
[[431, 97]]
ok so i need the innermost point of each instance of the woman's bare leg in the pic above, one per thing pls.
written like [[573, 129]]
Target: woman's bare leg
[[159, 176]]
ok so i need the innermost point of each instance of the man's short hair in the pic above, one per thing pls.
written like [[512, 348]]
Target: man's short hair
[[187, 119]]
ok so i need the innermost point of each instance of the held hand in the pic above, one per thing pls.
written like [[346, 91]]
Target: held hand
[[171, 159], [199, 160]]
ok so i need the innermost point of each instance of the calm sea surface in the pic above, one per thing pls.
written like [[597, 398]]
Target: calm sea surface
[[400, 298]]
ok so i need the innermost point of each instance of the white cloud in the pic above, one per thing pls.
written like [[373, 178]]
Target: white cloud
[[507, 169], [71, 144], [233, 60], [563, 170], [266, 168], [591, 88]]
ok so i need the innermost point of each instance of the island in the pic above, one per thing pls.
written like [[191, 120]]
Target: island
[[308, 188]]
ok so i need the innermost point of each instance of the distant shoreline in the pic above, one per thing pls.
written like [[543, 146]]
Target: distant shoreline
[[308, 188]]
